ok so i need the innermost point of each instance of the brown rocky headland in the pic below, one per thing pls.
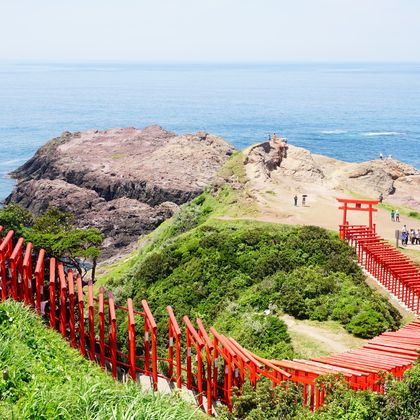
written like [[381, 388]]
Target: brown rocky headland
[[124, 181]]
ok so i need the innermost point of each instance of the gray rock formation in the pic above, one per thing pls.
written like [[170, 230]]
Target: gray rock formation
[[123, 181]]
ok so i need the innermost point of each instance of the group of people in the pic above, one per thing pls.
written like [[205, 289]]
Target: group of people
[[411, 235], [395, 215], [295, 199]]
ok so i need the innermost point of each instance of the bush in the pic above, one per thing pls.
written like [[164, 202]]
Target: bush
[[367, 324], [267, 403], [256, 266]]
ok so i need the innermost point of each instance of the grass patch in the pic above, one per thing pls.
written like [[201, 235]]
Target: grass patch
[[117, 156], [43, 378]]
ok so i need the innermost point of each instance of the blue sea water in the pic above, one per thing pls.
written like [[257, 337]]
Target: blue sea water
[[348, 111]]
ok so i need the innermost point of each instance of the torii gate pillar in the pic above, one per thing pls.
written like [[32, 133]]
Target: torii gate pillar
[[356, 205]]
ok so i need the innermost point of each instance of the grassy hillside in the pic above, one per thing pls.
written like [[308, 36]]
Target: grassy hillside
[[240, 275], [43, 378]]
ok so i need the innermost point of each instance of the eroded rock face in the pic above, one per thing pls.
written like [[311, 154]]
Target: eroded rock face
[[123, 181], [302, 171], [268, 156]]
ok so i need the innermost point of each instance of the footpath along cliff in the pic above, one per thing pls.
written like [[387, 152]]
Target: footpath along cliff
[[123, 181]]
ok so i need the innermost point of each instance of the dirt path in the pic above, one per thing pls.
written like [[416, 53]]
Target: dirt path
[[274, 197], [313, 339]]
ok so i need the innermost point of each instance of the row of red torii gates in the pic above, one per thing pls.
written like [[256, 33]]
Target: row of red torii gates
[[205, 361]]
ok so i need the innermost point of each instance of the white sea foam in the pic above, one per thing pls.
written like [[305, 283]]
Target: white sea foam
[[381, 133], [338, 131]]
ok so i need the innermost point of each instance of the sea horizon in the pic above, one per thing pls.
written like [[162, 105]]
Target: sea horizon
[[351, 111]]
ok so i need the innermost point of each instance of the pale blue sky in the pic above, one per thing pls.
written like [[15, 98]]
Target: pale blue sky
[[210, 30]]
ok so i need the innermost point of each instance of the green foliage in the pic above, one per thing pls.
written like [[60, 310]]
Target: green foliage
[[265, 335], [54, 232], [53, 221], [229, 272], [400, 401], [14, 217], [44, 378], [267, 403]]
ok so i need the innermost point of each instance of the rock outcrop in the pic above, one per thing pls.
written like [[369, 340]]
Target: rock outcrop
[[300, 171], [267, 156], [123, 181]]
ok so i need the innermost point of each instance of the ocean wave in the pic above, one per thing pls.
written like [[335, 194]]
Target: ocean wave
[[382, 133], [338, 131]]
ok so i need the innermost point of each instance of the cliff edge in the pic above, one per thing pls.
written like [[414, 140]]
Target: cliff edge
[[124, 181]]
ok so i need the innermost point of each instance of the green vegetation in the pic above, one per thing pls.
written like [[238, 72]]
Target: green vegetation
[[229, 272], [44, 378], [240, 275], [16, 218], [401, 401], [55, 232]]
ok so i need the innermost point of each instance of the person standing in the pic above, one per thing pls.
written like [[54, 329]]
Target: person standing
[[381, 197], [412, 236], [392, 215], [397, 215], [404, 237], [295, 198]]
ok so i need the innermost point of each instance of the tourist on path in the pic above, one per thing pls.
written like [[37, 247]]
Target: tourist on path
[[392, 215], [295, 198], [397, 215]]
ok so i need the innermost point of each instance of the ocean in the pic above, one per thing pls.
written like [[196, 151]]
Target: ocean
[[351, 112]]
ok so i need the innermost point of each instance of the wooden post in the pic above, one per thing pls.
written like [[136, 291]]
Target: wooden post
[[154, 359], [146, 347], [72, 322], [176, 333], [198, 349], [209, 348], [5, 251], [112, 334], [39, 280], [81, 307], [131, 340], [63, 306], [189, 367], [101, 328], [215, 366], [28, 296], [170, 350], [149, 321], [92, 352], [52, 293], [15, 262]]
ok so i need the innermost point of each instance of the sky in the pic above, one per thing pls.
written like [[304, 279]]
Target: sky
[[210, 30]]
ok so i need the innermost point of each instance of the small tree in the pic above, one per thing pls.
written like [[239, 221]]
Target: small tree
[[54, 232], [16, 218]]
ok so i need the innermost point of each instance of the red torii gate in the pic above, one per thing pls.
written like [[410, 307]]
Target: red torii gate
[[357, 205]]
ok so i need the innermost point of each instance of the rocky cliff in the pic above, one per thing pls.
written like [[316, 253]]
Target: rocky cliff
[[300, 171], [123, 181]]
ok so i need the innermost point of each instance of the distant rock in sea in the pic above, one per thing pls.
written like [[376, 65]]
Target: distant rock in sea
[[124, 181]]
